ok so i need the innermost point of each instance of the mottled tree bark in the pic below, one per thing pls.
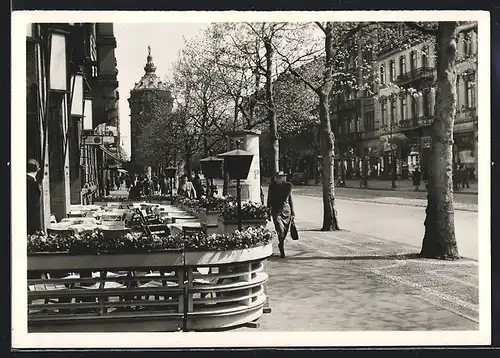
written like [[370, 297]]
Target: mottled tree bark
[[330, 222], [439, 239]]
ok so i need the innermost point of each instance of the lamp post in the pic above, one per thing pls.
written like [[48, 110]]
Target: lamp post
[[237, 165], [212, 168], [171, 171], [393, 155]]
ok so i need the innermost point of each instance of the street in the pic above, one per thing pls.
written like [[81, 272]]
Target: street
[[367, 276], [399, 223]]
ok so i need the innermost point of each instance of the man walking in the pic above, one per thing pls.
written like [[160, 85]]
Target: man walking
[[279, 202], [33, 197]]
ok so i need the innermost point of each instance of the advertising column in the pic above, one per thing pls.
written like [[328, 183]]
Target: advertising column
[[250, 187]]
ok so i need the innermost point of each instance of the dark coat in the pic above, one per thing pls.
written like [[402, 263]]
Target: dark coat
[[417, 176], [33, 205]]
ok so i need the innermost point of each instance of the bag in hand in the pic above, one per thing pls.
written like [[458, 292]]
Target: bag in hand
[[294, 233]]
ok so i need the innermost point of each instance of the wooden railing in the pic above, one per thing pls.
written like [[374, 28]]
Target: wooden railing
[[160, 291]]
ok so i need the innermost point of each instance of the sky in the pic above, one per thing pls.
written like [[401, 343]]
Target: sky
[[166, 40]]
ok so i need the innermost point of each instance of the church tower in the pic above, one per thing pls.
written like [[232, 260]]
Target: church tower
[[149, 86]]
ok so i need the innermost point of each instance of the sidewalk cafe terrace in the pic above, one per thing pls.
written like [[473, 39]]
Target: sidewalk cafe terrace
[[139, 274]]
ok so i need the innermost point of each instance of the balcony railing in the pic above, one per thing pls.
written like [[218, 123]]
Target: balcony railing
[[418, 74]]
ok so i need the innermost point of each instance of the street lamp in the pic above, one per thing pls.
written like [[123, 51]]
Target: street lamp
[[237, 165], [212, 168], [170, 172], [393, 155]]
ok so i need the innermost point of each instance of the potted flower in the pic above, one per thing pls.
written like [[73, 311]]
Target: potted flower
[[238, 246], [252, 215], [210, 209]]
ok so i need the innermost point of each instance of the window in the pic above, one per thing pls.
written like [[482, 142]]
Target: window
[[467, 44], [403, 109], [425, 57], [382, 74], [383, 111], [393, 110], [413, 60], [458, 93], [369, 121], [402, 65], [392, 71], [414, 107], [427, 103], [471, 98]]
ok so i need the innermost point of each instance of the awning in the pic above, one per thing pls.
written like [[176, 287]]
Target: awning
[[111, 154]]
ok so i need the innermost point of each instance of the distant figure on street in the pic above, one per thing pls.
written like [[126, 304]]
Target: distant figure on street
[[34, 193], [198, 186], [279, 201], [135, 189], [456, 178], [417, 175], [146, 186], [464, 177], [186, 188]]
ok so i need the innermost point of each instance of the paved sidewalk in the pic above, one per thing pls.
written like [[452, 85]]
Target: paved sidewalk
[[402, 185], [340, 281]]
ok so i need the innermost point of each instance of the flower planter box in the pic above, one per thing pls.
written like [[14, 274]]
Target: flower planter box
[[208, 217], [229, 226], [215, 258], [68, 262]]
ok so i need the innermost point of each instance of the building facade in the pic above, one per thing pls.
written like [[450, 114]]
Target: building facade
[[71, 89], [405, 100], [150, 86], [386, 129]]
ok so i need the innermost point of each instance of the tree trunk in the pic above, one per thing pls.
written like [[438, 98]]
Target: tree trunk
[[330, 222], [439, 239], [271, 110]]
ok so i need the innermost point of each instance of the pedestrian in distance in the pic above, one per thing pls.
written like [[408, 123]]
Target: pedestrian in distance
[[198, 186], [33, 191], [280, 204], [186, 188], [417, 176], [465, 177]]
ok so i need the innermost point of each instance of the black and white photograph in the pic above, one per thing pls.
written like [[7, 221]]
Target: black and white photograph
[[252, 179]]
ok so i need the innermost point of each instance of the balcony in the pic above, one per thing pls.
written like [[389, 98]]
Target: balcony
[[353, 137], [416, 77], [351, 105], [465, 114]]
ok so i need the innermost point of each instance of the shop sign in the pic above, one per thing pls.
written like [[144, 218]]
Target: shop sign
[[92, 140]]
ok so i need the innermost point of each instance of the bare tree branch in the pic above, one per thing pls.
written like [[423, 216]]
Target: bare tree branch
[[306, 82], [422, 29], [467, 27], [320, 25]]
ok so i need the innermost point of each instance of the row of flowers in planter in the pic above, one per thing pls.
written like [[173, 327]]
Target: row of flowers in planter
[[226, 206], [95, 243]]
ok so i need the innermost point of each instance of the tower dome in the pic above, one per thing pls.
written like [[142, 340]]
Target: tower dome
[[150, 80]]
